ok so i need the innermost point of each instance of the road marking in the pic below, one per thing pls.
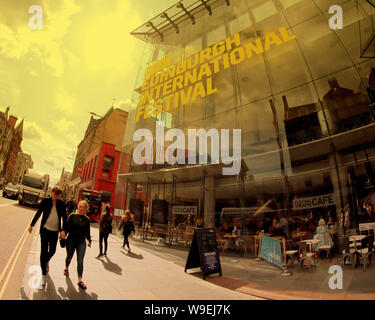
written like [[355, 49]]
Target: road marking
[[13, 265], [19, 245], [11, 257]]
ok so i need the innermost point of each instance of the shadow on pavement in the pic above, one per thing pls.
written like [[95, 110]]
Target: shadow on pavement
[[48, 293], [133, 255], [112, 267], [23, 294], [74, 293]]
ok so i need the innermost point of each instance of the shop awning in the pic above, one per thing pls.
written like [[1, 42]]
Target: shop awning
[[190, 173]]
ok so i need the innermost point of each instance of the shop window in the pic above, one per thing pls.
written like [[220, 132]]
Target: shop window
[[107, 164], [106, 196]]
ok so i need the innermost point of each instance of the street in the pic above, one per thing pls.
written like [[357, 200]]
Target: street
[[139, 275], [14, 220]]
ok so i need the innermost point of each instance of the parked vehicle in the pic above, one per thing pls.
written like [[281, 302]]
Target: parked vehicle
[[11, 191], [33, 188]]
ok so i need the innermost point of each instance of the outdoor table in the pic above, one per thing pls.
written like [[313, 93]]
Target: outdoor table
[[231, 237], [310, 242], [354, 239]]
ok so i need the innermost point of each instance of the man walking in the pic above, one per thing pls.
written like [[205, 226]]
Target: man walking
[[53, 212]]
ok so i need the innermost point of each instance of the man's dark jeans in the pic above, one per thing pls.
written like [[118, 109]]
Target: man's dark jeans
[[48, 247]]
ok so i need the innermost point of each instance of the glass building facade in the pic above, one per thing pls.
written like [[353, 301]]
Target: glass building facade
[[302, 95]]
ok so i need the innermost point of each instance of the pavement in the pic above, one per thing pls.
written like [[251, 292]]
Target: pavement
[[263, 279], [139, 275], [154, 271]]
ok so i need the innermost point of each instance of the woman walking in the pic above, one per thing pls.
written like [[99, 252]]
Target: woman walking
[[78, 228], [127, 223], [105, 228]]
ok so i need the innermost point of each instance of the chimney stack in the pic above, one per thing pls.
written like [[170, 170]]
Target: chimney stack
[[12, 122]]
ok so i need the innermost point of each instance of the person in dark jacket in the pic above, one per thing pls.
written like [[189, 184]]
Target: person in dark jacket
[[127, 223], [71, 206], [105, 228], [78, 228], [53, 210]]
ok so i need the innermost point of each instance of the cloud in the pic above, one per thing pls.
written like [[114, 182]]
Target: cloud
[[104, 45], [52, 163], [66, 103], [31, 131], [18, 40], [49, 151], [66, 130]]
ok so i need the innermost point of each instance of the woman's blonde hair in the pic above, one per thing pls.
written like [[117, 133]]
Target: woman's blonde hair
[[85, 203]]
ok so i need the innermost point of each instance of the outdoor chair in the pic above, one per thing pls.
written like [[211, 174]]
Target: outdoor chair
[[291, 254], [221, 242], [326, 245], [347, 252], [305, 257], [366, 254]]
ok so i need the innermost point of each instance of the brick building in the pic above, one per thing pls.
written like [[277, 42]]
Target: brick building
[[15, 146]]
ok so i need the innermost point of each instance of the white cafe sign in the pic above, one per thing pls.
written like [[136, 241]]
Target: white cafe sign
[[184, 209], [314, 202]]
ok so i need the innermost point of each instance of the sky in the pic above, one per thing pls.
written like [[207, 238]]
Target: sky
[[81, 59]]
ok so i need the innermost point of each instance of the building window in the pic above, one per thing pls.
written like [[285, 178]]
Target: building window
[[106, 196], [107, 164]]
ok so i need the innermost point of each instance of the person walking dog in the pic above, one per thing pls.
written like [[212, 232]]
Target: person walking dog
[[105, 228], [53, 210], [78, 228], [127, 223]]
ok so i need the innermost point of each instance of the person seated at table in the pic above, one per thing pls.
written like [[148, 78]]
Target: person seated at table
[[277, 229], [322, 234], [224, 229], [285, 225], [332, 226]]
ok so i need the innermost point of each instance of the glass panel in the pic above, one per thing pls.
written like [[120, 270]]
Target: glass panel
[[258, 132], [298, 11], [345, 105], [282, 75], [331, 56]]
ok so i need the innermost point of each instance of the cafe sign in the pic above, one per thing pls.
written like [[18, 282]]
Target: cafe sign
[[314, 202], [185, 210]]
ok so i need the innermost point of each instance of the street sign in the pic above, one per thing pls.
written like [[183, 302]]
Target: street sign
[[203, 252], [323, 200], [184, 210]]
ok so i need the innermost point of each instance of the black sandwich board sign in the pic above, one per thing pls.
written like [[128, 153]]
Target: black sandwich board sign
[[203, 252]]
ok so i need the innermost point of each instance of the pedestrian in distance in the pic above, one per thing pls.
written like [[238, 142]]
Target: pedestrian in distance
[[54, 213], [71, 206], [127, 223], [78, 229], [105, 228]]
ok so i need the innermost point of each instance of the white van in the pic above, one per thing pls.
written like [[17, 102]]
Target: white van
[[33, 188]]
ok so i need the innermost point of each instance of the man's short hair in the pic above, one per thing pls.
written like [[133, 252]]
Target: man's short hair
[[57, 190]]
